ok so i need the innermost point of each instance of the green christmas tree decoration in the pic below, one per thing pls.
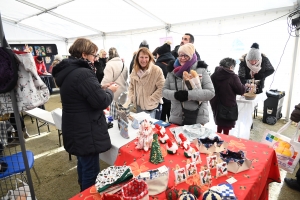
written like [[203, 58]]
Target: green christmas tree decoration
[[155, 154]]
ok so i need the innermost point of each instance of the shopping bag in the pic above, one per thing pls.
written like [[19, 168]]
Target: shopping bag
[[287, 149], [22, 192], [156, 179]]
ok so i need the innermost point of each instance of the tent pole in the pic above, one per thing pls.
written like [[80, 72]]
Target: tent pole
[[287, 116]]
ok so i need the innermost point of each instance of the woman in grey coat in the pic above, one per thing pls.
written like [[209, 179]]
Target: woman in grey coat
[[186, 61]]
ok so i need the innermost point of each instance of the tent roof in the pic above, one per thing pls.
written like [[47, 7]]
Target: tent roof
[[75, 18]]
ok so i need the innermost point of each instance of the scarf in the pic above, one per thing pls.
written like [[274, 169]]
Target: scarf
[[254, 69], [178, 70], [140, 73], [90, 64]]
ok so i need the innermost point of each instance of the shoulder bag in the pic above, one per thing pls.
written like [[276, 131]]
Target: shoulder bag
[[189, 117]]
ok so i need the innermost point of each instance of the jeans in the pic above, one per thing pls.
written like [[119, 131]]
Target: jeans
[[151, 113], [88, 168]]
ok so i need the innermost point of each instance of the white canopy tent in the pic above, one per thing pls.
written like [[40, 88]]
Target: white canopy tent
[[221, 29]]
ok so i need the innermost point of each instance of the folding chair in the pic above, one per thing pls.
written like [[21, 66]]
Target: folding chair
[[57, 115], [15, 164]]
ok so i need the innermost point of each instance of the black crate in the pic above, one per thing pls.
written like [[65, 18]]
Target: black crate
[[273, 106]]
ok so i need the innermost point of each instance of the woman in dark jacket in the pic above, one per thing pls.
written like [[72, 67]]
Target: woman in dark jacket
[[227, 85], [164, 56], [100, 63], [255, 65], [84, 125]]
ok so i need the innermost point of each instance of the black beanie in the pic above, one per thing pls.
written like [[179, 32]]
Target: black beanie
[[39, 58], [144, 44], [164, 49]]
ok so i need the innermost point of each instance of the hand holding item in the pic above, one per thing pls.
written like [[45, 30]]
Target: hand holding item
[[106, 85], [181, 95], [113, 87]]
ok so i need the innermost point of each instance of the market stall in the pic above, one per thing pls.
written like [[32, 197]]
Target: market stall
[[250, 184]]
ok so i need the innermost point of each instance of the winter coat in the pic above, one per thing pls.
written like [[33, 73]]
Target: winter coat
[[100, 66], [112, 73], [175, 52], [227, 85], [132, 62], [146, 91], [40, 67], [163, 60], [266, 70], [205, 94], [84, 126]]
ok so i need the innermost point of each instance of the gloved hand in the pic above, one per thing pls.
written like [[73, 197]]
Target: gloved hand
[[181, 95]]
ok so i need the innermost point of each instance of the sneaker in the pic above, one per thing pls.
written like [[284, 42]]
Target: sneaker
[[292, 183]]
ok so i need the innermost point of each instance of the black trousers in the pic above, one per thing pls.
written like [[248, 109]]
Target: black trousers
[[298, 175], [165, 112]]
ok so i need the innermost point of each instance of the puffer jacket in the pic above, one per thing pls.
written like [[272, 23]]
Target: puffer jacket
[[84, 126], [194, 96], [146, 91]]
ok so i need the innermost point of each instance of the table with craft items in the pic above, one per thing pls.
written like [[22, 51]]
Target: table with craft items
[[251, 184]]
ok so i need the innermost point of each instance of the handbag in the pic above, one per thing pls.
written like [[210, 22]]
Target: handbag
[[8, 65], [156, 179], [287, 149], [227, 113], [189, 117]]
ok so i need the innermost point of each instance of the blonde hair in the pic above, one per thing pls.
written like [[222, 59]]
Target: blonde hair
[[82, 45], [101, 52], [137, 65]]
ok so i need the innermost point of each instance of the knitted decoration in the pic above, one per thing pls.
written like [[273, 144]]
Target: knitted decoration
[[171, 147], [171, 193], [187, 196], [161, 131], [155, 154], [211, 195], [195, 190]]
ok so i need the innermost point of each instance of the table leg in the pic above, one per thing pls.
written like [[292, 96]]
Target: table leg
[[37, 124]]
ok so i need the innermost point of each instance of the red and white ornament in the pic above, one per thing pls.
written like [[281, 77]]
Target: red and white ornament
[[171, 147], [161, 131]]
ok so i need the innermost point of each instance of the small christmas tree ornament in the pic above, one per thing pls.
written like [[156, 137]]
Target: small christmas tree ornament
[[171, 147], [161, 131], [155, 154], [172, 193], [195, 190], [187, 196]]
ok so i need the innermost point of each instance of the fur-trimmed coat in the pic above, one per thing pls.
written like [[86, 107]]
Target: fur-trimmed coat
[[266, 70], [146, 91], [194, 96]]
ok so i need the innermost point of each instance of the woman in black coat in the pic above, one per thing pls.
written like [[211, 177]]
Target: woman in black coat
[[84, 126], [255, 65], [227, 85], [164, 56]]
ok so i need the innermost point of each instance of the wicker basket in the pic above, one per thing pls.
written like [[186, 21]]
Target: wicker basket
[[249, 96], [5, 117]]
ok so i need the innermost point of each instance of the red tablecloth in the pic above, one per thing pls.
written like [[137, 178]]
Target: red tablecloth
[[251, 184]]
